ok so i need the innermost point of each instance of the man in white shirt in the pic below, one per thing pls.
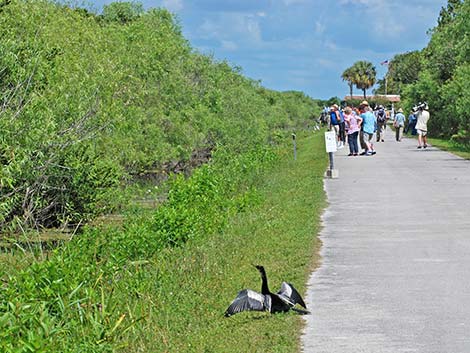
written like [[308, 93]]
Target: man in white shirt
[[422, 124]]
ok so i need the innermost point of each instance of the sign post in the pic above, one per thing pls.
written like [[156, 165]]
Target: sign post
[[295, 146], [330, 144]]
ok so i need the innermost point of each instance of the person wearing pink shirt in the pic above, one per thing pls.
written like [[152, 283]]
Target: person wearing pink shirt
[[353, 124]]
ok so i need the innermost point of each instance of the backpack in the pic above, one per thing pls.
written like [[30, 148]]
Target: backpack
[[334, 118], [381, 116]]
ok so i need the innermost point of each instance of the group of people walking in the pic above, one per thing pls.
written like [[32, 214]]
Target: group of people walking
[[417, 124], [353, 123], [362, 122]]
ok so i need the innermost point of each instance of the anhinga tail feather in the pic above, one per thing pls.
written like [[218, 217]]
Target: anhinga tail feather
[[300, 311]]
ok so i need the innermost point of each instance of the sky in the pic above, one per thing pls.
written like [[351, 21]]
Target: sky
[[302, 45]]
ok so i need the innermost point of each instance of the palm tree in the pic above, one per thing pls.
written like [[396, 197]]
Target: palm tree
[[348, 76], [364, 75]]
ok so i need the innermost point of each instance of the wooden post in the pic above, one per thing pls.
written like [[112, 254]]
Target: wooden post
[[295, 146]]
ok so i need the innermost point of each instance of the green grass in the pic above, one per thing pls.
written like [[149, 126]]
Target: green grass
[[447, 145], [450, 146], [185, 291], [83, 298]]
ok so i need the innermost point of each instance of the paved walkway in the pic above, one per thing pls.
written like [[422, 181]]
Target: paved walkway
[[395, 273]]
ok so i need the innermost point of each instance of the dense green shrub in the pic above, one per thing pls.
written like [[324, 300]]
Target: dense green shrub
[[87, 102], [444, 76], [439, 74], [90, 100], [196, 206], [50, 302]]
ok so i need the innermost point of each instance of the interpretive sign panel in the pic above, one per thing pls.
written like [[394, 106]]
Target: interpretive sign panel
[[330, 141]]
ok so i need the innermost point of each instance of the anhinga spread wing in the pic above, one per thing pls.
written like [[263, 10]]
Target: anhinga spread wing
[[283, 301], [289, 292], [248, 299]]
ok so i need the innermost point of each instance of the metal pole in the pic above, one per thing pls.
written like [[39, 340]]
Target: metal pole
[[385, 84], [332, 165], [295, 146]]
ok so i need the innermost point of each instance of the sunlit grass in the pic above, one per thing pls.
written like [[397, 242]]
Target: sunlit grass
[[188, 289], [85, 297], [449, 146]]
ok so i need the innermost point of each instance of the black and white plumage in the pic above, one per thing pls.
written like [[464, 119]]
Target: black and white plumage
[[282, 301]]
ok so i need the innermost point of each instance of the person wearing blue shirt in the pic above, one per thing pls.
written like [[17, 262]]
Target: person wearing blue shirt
[[369, 125], [337, 124], [411, 122], [399, 124]]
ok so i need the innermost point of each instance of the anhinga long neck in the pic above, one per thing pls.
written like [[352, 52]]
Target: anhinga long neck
[[264, 285]]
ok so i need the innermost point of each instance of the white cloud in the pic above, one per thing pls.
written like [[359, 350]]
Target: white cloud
[[208, 30], [390, 29], [252, 28], [232, 26], [292, 2], [383, 16], [173, 5], [319, 27], [325, 63], [330, 45], [293, 44], [229, 45], [363, 2]]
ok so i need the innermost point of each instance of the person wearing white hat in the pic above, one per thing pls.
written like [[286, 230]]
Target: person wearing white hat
[[422, 124], [399, 124]]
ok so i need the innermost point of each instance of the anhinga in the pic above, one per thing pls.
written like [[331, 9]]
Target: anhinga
[[282, 301]]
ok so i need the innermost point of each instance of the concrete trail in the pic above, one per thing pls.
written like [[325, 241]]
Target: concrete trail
[[395, 272]]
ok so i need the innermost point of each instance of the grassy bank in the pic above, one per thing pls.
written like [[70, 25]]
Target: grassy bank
[[450, 146], [87, 297], [198, 282], [447, 145]]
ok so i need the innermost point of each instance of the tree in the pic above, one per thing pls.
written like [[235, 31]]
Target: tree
[[444, 72], [90, 102], [331, 101], [442, 50], [447, 14], [348, 76], [364, 75], [122, 12], [403, 69]]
